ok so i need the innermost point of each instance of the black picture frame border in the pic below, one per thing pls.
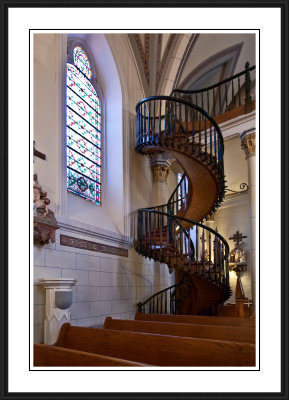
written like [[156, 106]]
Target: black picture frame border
[[4, 8]]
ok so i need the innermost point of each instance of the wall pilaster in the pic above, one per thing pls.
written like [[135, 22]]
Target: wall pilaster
[[248, 144]]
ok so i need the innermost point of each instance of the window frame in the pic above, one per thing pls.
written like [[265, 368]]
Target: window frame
[[71, 45]]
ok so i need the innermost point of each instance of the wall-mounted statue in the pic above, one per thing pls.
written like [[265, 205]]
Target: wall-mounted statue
[[40, 205], [44, 220]]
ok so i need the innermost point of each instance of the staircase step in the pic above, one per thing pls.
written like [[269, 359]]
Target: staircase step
[[230, 310]]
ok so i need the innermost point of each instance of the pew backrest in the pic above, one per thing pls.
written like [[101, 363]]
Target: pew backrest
[[214, 332], [53, 356], [154, 349], [196, 319]]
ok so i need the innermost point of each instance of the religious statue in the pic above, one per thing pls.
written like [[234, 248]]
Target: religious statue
[[205, 256], [44, 220], [237, 255], [243, 258], [40, 201]]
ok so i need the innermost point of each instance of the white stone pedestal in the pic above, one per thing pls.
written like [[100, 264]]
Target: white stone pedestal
[[58, 295]]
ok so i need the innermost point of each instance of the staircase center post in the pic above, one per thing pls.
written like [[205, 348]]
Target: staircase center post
[[160, 167]]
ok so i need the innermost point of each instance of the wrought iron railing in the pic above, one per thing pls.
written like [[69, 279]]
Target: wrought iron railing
[[225, 95], [166, 301], [169, 122], [177, 202], [180, 243]]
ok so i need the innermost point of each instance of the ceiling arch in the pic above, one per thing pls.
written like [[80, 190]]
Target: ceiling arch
[[213, 69], [153, 54]]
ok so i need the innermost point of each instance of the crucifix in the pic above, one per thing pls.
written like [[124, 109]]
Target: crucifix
[[238, 265], [38, 153], [237, 238], [202, 238]]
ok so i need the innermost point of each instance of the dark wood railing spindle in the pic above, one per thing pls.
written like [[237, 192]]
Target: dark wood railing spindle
[[248, 107], [200, 141], [233, 96], [160, 115]]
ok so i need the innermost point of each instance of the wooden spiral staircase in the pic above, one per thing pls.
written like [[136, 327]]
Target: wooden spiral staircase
[[174, 233]]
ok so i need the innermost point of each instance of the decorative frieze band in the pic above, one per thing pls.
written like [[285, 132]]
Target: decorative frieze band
[[92, 246]]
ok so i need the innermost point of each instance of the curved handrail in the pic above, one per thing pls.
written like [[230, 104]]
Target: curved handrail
[[171, 202], [173, 245], [187, 103], [215, 85], [160, 292], [160, 301], [190, 221]]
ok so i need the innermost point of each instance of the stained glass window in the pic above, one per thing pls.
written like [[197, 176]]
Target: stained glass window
[[83, 130], [182, 189], [179, 191], [81, 61]]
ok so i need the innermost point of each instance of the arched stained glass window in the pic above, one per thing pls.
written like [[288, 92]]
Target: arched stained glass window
[[83, 130]]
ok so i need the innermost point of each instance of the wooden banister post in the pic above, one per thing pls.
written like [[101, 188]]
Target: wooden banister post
[[248, 105], [240, 309]]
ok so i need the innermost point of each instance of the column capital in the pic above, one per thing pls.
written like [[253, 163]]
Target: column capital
[[160, 172], [248, 142], [160, 167]]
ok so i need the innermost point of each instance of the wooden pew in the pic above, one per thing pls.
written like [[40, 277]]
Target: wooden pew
[[53, 356], [157, 350], [196, 319], [214, 332]]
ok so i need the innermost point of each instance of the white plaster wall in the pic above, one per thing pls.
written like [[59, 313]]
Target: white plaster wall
[[107, 284], [236, 170], [209, 44], [138, 173], [45, 116], [172, 182], [233, 215]]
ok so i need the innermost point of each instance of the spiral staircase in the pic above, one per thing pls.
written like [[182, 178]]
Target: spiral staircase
[[185, 125]]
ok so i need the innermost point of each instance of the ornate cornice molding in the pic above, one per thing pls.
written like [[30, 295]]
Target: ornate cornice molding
[[158, 61], [143, 54], [235, 199], [165, 56], [92, 246], [235, 126], [248, 142]]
